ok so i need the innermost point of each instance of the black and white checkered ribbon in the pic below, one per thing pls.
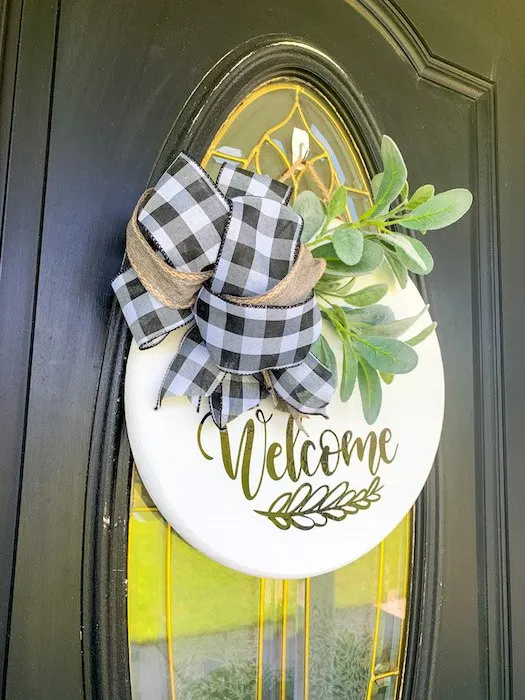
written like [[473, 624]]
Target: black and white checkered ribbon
[[243, 230]]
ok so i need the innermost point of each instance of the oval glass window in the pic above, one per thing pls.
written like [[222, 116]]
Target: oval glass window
[[200, 631]]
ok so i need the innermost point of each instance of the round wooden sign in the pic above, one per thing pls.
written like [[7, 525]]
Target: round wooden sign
[[269, 500]]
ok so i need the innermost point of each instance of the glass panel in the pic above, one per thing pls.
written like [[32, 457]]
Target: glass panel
[[200, 631]]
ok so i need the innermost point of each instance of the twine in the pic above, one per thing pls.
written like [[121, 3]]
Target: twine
[[178, 290], [174, 288], [309, 166]]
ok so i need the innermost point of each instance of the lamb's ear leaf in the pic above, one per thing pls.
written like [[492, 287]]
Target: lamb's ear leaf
[[325, 251], [371, 259], [396, 328], [349, 373], [367, 295], [441, 210], [337, 203], [375, 183], [348, 244], [394, 177], [409, 251], [420, 195], [309, 207], [398, 268], [420, 337], [375, 315], [370, 390], [386, 354], [324, 353]]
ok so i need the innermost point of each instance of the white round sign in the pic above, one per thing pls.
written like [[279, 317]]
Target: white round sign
[[249, 497]]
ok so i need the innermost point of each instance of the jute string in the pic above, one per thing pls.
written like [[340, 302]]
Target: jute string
[[174, 288], [178, 290]]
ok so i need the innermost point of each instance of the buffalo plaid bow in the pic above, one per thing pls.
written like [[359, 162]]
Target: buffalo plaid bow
[[242, 228]]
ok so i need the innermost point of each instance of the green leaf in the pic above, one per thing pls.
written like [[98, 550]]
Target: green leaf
[[370, 390], [396, 328], [370, 315], [318, 349], [424, 254], [394, 176], [346, 287], [326, 251], [367, 295], [338, 313], [422, 194], [404, 192], [308, 205], [324, 353], [411, 252], [337, 204], [348, 244], [398, 268], [420, 337], [387, 377], [439, 211], [370, 260], [334, 286], [386, 354], [349, 374], [375, 183]]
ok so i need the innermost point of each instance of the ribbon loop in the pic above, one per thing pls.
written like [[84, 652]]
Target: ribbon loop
[[176, 289], [248, 339], [259, 248], [186, 216], [237, 182]]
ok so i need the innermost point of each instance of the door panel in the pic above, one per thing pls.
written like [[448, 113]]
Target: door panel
[[96, 97]]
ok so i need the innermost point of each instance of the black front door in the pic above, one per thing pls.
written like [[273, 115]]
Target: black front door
[[92, 93]]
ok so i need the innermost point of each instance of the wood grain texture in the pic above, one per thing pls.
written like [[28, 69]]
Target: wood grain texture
[[26, 88], [493, 46]]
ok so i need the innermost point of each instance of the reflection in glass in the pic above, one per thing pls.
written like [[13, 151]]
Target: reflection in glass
[[200, 631]]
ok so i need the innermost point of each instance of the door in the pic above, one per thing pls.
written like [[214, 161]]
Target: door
[[97, 97]]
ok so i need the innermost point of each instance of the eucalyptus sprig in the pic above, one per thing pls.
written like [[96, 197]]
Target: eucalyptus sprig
[[368, 332]]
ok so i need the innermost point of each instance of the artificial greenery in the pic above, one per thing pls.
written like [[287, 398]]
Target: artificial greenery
[[369, 333]]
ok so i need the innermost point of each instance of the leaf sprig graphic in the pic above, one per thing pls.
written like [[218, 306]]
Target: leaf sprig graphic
[[307, 508]]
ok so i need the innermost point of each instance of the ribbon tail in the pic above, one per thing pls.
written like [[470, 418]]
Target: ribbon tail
[[148, 319], [236, 394], [308, 387], [192, 372]]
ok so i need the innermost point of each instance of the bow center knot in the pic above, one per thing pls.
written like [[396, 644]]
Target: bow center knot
[[226, 255]]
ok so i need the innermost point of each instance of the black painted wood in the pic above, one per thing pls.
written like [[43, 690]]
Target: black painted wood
[[28, 59], [104, 570], [97, 88]]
